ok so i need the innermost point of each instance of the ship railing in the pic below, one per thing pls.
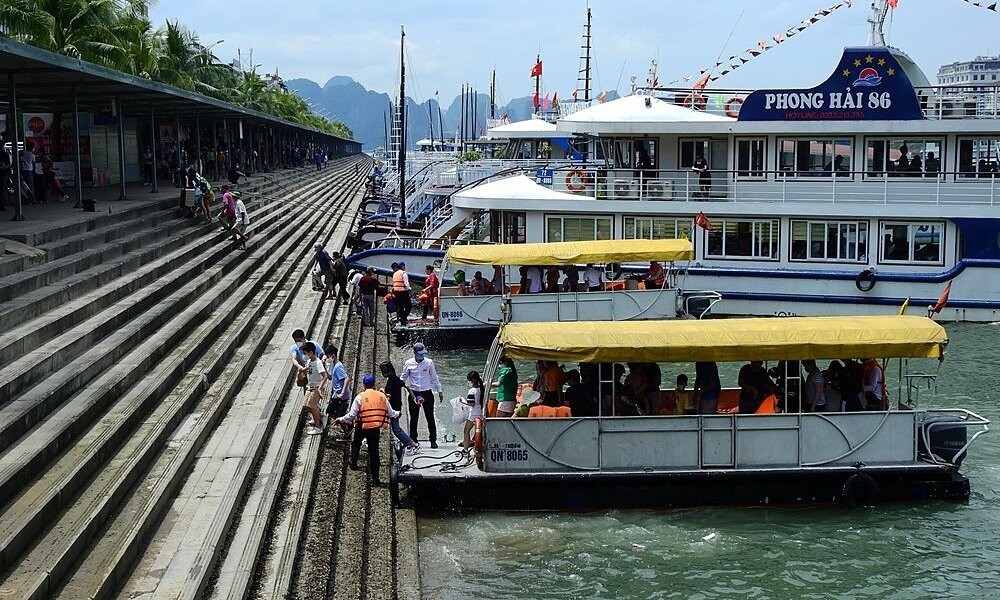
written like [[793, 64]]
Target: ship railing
[[937, 102], [783, 186]]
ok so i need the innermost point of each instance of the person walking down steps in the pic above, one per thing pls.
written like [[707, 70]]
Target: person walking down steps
[[372, 411]]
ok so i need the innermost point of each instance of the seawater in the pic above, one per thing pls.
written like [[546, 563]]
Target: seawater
[[905, 551]]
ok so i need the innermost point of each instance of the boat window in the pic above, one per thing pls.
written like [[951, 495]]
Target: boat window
[[577, 229], [909, 157], [814, 158], [692, 149], [743, 238], [750, 157], [830, 241], [507, 227], [903, 242], [656, 228], [979, 157]]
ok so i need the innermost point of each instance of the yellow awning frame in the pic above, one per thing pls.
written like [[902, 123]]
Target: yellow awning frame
[[572, 253], [726, 340]]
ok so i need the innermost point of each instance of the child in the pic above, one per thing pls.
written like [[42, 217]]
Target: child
[[315, 388], [475, 400], [394, 390], [676, 401]]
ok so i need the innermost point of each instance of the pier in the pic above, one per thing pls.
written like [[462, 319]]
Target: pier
[[151, 437]]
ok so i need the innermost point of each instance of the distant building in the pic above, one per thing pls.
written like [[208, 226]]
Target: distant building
[[983, 71]]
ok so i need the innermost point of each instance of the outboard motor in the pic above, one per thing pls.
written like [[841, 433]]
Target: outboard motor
[[946, 434]]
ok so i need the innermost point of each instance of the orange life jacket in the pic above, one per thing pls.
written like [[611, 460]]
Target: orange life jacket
[[373, 413], [398, 285], [540, 410], [656, 275]]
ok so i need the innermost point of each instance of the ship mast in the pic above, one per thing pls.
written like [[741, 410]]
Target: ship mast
[[401, 107], [583, 75], [880, 8]]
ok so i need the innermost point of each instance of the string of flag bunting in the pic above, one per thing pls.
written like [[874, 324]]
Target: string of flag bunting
[[736, 61], [991, 6]]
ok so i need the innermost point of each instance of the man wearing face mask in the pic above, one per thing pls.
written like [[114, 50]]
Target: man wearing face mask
[[421, 378], [298, 357]]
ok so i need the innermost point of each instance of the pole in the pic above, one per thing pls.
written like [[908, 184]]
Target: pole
[[538, 84], [215, 147], [402, 129], [78, 192], [197, 145], [475, 115], [441, 125], [154, 185], [122, 195], [15, 160]]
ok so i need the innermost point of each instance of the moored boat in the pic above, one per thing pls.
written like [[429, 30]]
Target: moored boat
[[894, 452]]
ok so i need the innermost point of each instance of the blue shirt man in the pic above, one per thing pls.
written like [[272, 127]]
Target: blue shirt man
[[706, 381]]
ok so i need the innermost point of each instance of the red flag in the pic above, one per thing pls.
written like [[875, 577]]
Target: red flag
[[536, 71], [701, 83], [555, 98], [536, 101], [943, 299], [894, 4], [574, 95], [703, 222]]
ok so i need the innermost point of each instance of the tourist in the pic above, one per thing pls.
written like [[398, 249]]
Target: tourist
[[534, 277], [571, 281], [581, 398], [754, 385], [339, 276], [353, 279], [814, 387], [147, 166], [676, 401], [553, 378], [873, 385], [325, 262], [421, 378], [480, 285], [234, 174], [498, 280], [227, 213], [832, 390], [431, 285], [851, 388], [205, 199], [401, 291], [393, 389], [592, 277], [475, 401], [506, 386], [704, 176], [655, 276], [372, 411], [552, 279], [242, 222], [316, 378], [27, 164], [707, 387], [932, 164], [340, 382], [298, 357], [367, 288]]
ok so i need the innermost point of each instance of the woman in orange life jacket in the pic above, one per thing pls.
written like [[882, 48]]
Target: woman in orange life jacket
[[372, 410]]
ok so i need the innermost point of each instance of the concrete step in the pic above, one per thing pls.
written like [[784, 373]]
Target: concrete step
[[129, 322], [58, 554], [38, 316]]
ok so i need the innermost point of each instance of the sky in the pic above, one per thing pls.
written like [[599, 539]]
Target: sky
[[450, 43]]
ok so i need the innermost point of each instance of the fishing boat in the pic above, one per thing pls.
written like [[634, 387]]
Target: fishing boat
[[466, 319], [901, 451], [844, 198]]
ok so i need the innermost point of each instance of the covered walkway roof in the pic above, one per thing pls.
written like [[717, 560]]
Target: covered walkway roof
[[44, 82]]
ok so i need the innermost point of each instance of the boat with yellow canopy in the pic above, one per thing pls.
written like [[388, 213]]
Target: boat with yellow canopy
[[476, 305], [892, 451]]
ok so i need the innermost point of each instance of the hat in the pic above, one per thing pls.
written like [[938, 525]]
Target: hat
[[419, 347], [402, 264], [369, 380], [530, 397], [318, 245]]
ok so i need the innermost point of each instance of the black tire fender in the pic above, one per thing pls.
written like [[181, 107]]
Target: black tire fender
[[860, 491], [865, 280]]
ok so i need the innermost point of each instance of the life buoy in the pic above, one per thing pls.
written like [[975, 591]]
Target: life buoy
[[732, 107], [477, 442], [860, 491], [865, 280], [696, 101], [576, 180]]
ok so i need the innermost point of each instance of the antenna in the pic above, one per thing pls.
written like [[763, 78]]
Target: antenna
[[880, 8], [583, 76]]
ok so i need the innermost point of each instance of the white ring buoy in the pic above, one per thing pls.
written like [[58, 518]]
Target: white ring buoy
[[576, 180], [732, 107]]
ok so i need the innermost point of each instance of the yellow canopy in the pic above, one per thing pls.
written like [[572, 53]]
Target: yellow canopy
[[726, 340], [572, 253]]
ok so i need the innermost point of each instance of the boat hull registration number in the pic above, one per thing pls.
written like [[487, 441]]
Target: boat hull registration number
[[512, 452]]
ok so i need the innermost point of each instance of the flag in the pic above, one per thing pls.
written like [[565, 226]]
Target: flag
[[555, 98], [574, 95], [602, 97], [942, 299], [546, 102], [536, 101], [906, 305], [536, 71], [893, 3], [701, 83], [703, 222]]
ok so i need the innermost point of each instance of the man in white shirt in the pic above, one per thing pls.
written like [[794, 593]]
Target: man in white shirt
[[242, 222], [316, 378], [592, 277], [421, 378], [534, 280]]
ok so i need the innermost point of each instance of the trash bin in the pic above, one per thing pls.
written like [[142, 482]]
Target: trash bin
[[89, 205]]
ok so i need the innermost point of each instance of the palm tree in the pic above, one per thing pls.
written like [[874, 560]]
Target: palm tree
[[77, 28]]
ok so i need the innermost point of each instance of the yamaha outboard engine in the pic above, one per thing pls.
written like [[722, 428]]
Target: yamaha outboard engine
[[946, 434]]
